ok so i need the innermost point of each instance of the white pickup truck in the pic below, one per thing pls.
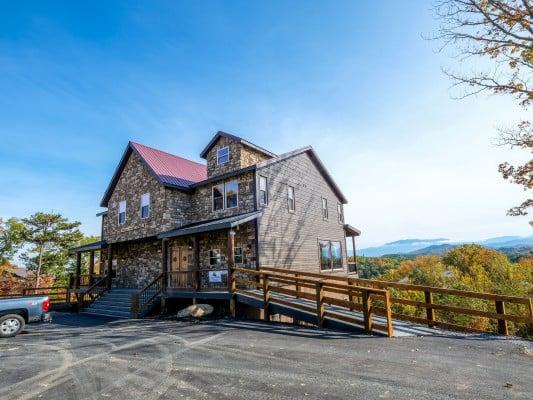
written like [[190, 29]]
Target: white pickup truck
[[16, 312]]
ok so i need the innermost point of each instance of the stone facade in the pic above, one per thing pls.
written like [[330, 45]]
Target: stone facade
[[202, 202], [240, 156], [135, 264], [168, 207]]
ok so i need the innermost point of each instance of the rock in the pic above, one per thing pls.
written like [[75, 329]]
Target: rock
[[196, 310]]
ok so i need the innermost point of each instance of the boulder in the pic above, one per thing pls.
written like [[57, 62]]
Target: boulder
[[196, 311]]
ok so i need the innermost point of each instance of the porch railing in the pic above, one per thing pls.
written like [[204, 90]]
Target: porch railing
[[94, 291], [199, 279], [141, 302], [84, 280]]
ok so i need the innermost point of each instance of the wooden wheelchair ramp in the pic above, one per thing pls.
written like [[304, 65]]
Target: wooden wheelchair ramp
[[321, 302]]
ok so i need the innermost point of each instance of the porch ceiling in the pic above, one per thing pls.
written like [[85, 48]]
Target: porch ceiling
[[90, 247], [351, 231], [212, 225]]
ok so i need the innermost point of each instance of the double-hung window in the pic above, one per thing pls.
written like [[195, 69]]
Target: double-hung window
[[218, 197], [238, 255], [340, 213], [215, 258], [324, 208], [263, 191], [330, 255], [231, 188], [145, 205], [222, 155], [122, 212], [291, 204], [225, 195]]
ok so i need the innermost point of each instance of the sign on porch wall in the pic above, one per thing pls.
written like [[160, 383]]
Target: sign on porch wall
[[216, 276]]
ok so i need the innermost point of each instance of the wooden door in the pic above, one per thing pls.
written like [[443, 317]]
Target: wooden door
[[181, 267]]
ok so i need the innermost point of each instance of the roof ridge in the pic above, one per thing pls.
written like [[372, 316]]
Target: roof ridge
[[170, 154]]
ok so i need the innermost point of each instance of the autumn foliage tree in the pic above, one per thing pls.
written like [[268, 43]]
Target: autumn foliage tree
[[501, 32]]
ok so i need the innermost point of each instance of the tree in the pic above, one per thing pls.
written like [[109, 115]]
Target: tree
[[10, 239], [50, 237], [502, 32]]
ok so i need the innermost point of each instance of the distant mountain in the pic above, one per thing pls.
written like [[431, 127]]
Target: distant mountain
[[400, 247], [510, 245]]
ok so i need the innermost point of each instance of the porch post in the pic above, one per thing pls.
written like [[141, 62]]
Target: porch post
[[78, 269], [196, 262], [231, 265], [354, 258], [109, 264], [164, 257], [91, 267]]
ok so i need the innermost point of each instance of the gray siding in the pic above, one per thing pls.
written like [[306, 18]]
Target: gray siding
[[290, 240]]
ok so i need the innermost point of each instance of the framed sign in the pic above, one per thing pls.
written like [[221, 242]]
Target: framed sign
[[217, 276]]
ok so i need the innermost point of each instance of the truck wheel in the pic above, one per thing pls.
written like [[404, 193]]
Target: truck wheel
[[11, 325]]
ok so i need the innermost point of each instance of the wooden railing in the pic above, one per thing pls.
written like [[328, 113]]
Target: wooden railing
[[140, 302], [56, 294], [84, 280], [94, 291], [197, 279], [321, 291], [425, 300]]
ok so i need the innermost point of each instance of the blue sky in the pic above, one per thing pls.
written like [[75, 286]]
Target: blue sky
[[353, 79]]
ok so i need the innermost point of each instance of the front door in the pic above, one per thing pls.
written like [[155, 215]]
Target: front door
[[181, 267]]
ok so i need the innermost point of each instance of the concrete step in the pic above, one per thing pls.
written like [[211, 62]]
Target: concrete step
[[113, 314], [105, 307]]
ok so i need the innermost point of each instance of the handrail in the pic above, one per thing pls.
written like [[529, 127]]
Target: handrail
[[90, 294], [430, 306], [141, 300], [322, 295]]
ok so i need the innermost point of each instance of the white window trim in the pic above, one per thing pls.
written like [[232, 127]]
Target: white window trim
[[225, 204], [149, 207], [242, 256], [326, 216], [266, 191], [223, 198], [289, 187], [120, 212], [218, 158], [331, 268], [219, 256], [340, 212]]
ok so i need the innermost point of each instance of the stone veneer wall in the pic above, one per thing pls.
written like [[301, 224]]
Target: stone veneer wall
[[169, 208], [202, 207], [135, 264], [240, 156], [244, 238]]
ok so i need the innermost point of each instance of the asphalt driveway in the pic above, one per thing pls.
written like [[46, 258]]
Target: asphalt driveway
[[83, 357]]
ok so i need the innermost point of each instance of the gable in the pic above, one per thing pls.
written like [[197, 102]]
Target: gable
[[167, 169]]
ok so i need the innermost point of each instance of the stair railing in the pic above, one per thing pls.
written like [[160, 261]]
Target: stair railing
[[141, 301], [93, 292]]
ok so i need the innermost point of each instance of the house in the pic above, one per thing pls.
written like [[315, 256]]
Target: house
[[245, 206]]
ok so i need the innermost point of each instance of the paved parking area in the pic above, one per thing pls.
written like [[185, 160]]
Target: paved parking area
[[83, 357]]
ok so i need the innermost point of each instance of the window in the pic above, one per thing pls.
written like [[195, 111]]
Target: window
[[324, 208], [263, 194], [330, 255], [122, 212], [214, 257], [290, 198], [340, 213], [145, 205], [222, 155], [238, 255], [231, 189], [218, 197]]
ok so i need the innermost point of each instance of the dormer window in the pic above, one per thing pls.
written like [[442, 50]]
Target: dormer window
[[122, 212], [145, 205], [222, 155]]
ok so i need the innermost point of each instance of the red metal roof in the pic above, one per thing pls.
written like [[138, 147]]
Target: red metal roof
[[171, 169]]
